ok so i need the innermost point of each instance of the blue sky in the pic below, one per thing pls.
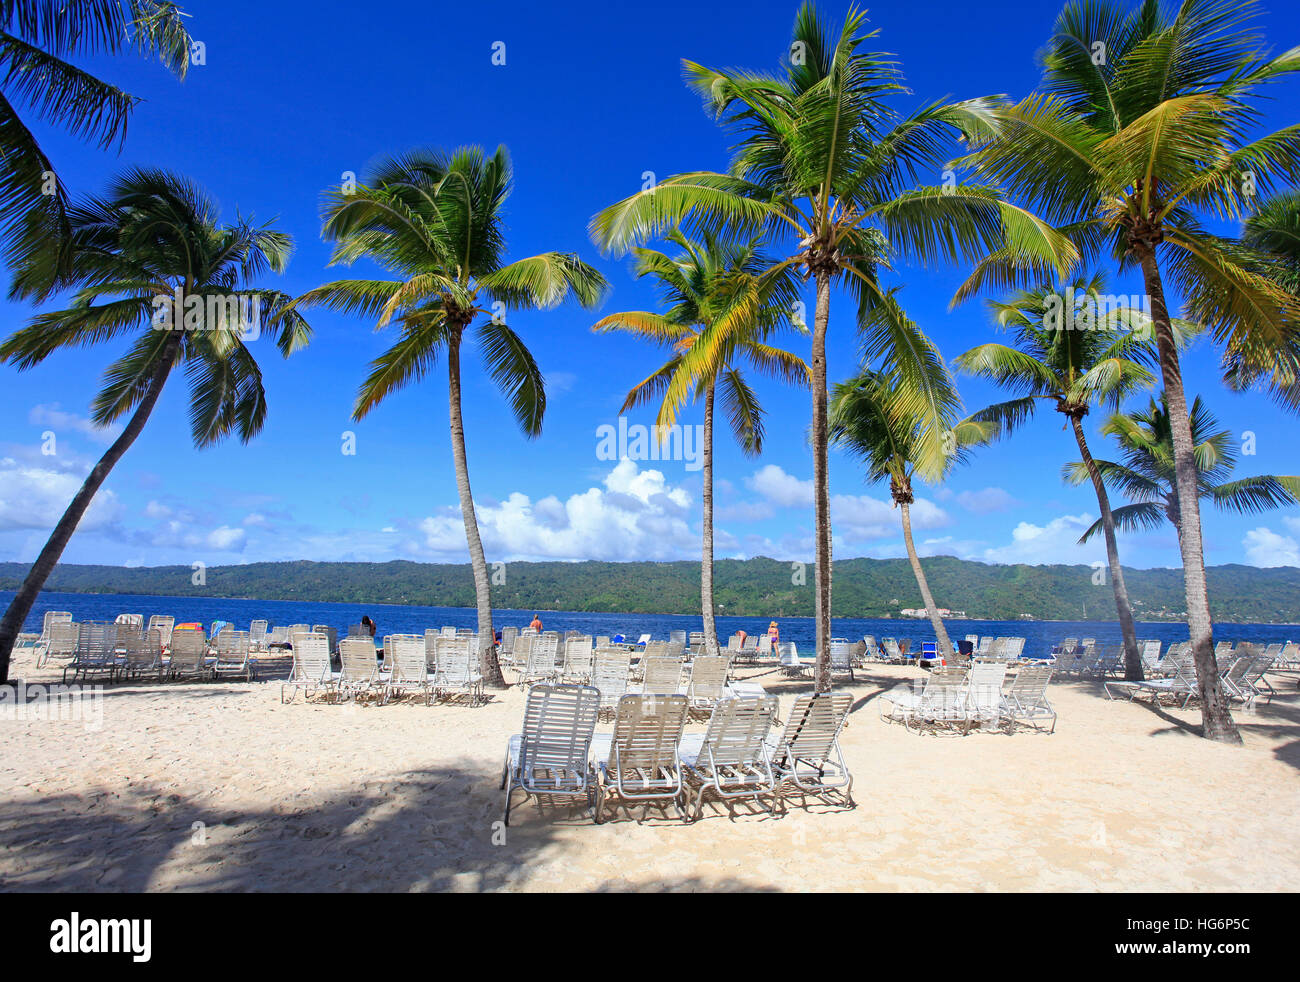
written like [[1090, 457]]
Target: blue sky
[[293, 95]]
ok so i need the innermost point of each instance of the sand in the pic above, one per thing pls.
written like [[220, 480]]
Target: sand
[[217, 786]]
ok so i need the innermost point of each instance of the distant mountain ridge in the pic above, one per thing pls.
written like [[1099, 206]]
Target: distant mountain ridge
[[753, 587]]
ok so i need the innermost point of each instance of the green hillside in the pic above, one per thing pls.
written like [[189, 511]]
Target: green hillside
[[754, 587]]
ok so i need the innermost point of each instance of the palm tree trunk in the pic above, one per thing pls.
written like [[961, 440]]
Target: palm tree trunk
[[706, 559], [821, 486], [482, 588], [1216, 717], [21, 605], [1132, 658], [940, 631]]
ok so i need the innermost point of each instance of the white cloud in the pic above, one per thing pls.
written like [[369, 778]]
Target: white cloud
[[34, 497], [780, 488], [637, 515], [1050, 544], [1264, 547], [55, 418], [986, 500], [227, 539]]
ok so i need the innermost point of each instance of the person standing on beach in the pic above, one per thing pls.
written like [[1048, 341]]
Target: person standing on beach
[[368, 624], [774, 633], [536, 625]]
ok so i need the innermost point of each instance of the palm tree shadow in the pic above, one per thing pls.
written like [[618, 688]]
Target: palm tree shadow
[[435, 829]]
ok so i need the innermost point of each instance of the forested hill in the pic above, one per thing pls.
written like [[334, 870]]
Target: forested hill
[[757, 587]]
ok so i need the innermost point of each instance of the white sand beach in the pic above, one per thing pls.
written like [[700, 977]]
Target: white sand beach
[[405, 797]]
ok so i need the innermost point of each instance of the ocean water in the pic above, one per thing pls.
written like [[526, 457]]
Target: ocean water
[[397, 619]]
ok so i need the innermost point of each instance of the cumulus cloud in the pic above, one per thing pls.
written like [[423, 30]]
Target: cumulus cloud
[[1055, 542], [854, 517], [637, 514], [227, 539], [33, 497], [986, 500], [780, 488], [1264, 547]]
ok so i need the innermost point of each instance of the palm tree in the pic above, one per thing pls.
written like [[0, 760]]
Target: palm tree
[[1272, 237], [1070, 350], [434, 221], [871, 418], [720, 311], [825, 161], [150, 262], [1147, 476], [37, 37], [1142, 125]]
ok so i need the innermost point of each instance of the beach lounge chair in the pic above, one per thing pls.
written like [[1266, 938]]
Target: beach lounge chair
[[59, 640], [1150, 651], [609, 674], [984, 694], [233, 655], [732, 760], [806, 756], [539, 664], [311, 669], [1245, 678], [550, 753], [41, 644], [791, 665], [577, 660], [257, 631], [893, 654], [359, 674], [506, 650], [163, 624], [707, 683], [459, 670], [640, 760], [663, 674], [1026, 697], [1183, 685], [936, 704], [96, 653], [143, 652], [842, 658], [872, 652], [408, 658], [130, 620], [189, 655]]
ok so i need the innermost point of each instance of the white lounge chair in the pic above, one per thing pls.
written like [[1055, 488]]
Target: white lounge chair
[[732, 760], [189, 655], [459, 671], [550, 754], [639, 762], [409, 671], [806, 756], [1026, 697], [707, 683], [233, 655], [311, 669], [359, 675], [663, 675]]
